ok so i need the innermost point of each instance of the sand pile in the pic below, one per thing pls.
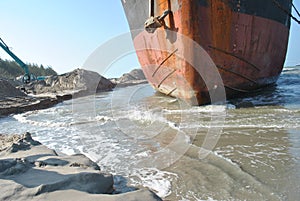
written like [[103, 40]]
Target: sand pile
[[79, 81], [8, 90], [13, 100], [31, 171], [55, 89], [135, 76]]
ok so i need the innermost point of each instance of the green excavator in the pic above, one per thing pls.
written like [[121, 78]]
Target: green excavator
[[27, 77]]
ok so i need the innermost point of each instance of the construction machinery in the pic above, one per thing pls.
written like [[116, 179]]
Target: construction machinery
[[27, 77]]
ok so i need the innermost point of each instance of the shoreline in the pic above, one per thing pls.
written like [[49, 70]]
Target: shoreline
[[47, 93], [31, 171], [21, 104]]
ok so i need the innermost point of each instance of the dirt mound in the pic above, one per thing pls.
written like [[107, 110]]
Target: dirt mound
[[77, 81], [136, 74], [134, 77], [8, 90]]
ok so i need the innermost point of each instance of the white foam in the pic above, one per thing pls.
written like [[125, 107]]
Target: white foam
[[158, 181], [200, 109], [226, 159], [67, 150], [143, 154], [194, 197], [149, 118], [23, 118], [103, 118]]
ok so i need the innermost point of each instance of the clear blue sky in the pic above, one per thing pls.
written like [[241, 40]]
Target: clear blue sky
[[63, 33]]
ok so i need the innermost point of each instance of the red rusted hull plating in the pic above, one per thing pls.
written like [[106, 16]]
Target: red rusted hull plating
[[207, 46]]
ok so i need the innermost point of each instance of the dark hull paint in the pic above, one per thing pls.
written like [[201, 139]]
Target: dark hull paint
[[246, 39]]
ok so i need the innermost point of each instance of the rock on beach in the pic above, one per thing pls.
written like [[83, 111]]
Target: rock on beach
[[31, 171]]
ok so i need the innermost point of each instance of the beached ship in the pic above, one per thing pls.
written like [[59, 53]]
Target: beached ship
[[245, 40]]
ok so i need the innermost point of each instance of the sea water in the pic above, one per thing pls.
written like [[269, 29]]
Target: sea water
[[245, 149]]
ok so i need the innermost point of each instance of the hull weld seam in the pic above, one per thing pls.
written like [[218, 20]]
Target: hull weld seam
[[160, 65], [166, 77], [236, 89], [233, 55], [171, 91], [238, 74]]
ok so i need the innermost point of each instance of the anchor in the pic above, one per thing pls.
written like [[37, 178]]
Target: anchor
[[152, 23]]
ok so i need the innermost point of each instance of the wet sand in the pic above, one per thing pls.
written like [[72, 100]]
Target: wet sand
[[31, 171]]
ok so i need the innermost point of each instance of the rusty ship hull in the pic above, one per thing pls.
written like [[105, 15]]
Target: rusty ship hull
[[244, 40]]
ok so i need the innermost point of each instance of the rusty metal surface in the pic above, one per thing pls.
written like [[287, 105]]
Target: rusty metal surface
[[248, 50]]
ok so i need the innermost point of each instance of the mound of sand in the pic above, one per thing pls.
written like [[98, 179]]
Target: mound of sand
[[13, 100], [31, 171], [136, 74], [8, 90], [134, 77], [79, 81]]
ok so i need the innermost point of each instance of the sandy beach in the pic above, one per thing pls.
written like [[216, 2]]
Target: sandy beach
[[32, 171]]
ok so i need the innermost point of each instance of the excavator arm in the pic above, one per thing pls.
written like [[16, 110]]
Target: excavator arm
[[26, 77]]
